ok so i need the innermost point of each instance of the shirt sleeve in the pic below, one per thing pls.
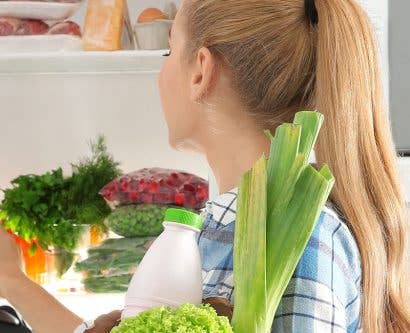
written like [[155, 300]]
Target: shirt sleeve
[[324, 292]]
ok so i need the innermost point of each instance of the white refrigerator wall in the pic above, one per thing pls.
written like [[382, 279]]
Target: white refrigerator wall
[[47, 121]]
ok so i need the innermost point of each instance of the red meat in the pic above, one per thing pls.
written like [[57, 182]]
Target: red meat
[[9, 26], [32, 27], [65, 28]]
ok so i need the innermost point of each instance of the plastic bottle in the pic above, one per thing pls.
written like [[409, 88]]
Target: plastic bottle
[[170, 272]]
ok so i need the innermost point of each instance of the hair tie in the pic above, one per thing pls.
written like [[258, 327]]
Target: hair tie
[[311, 11]]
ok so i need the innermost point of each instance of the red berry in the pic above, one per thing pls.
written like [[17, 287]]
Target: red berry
[[202, 192], [179, 199], [133, 195], [141, 185], [124, 187], [153, 187]]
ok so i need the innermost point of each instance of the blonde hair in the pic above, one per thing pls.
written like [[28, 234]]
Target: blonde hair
[[280, 64]]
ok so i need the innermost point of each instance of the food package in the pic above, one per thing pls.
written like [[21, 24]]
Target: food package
[[137, 220], [110, 266], [157, 186], [30, 35], [46, 10], [28, 27], [112, 284], [107, 26]]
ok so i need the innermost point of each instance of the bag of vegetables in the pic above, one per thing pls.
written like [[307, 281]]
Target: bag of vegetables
[[110, 266]]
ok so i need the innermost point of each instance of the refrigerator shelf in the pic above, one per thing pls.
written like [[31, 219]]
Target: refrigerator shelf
[[134, 61]]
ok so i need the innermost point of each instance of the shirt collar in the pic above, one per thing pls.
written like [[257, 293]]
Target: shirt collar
[[223, 207]]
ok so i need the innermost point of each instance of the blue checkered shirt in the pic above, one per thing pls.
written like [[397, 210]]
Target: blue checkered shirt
[[324, 293]]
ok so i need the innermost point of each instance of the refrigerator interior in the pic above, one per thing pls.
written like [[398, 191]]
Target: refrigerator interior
[[54, 104]]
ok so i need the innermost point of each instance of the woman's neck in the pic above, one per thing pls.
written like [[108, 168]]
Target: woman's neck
[[231, 154]]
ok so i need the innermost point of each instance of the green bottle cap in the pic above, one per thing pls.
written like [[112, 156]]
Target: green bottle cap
[[184, 217]]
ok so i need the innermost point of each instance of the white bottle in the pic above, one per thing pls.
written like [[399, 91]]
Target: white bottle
[[170, 272]]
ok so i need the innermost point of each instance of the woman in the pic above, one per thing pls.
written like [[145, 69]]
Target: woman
[[235, 68]]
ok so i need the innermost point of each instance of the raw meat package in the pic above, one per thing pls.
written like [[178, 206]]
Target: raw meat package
[[157, 186], [28, 27], [46, 10], [107, 26], [29, 35]]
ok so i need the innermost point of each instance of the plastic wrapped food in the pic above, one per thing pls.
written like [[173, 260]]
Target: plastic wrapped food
[[157, 186], [110, 265], [114, 257], [65, 28], [22, 27], [107, 26], [137, 220], [113, 284], [28, 27], [28, 35]]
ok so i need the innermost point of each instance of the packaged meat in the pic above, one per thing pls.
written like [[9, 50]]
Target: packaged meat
[[57, 10], [157, 186], [9, 26], [12, 26], [65, 28], [107, 26]]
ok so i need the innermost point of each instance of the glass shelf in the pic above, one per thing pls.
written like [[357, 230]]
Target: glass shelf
[[81, 62]]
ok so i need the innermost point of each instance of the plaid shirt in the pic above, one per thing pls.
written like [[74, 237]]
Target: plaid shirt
[[324, 293]]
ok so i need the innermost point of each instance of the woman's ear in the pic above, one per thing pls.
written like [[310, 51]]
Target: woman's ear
[[204, 75]]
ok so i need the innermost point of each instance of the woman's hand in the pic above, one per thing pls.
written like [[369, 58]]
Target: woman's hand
[[221, 306], [105, 323], [10, 260]]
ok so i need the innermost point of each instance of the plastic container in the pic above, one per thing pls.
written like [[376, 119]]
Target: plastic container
[[40, 43], [153, 35], [40, 10], [170, 272]]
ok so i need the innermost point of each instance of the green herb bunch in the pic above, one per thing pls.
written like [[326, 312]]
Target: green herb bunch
[[52, 208]]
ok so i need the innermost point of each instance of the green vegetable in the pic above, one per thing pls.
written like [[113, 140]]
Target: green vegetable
[[138, 220], [35, 208], [52, 208], [187, 318], [112, 284], [113, 245], [278, 207], [85, 205], [109, 263]]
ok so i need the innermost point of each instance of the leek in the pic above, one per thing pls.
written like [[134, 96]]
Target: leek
[[279, 202]]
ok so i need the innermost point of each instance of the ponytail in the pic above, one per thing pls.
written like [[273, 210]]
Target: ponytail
[[357, 144]]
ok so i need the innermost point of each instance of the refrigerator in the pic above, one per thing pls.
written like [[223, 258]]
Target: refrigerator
[[53, 104]]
